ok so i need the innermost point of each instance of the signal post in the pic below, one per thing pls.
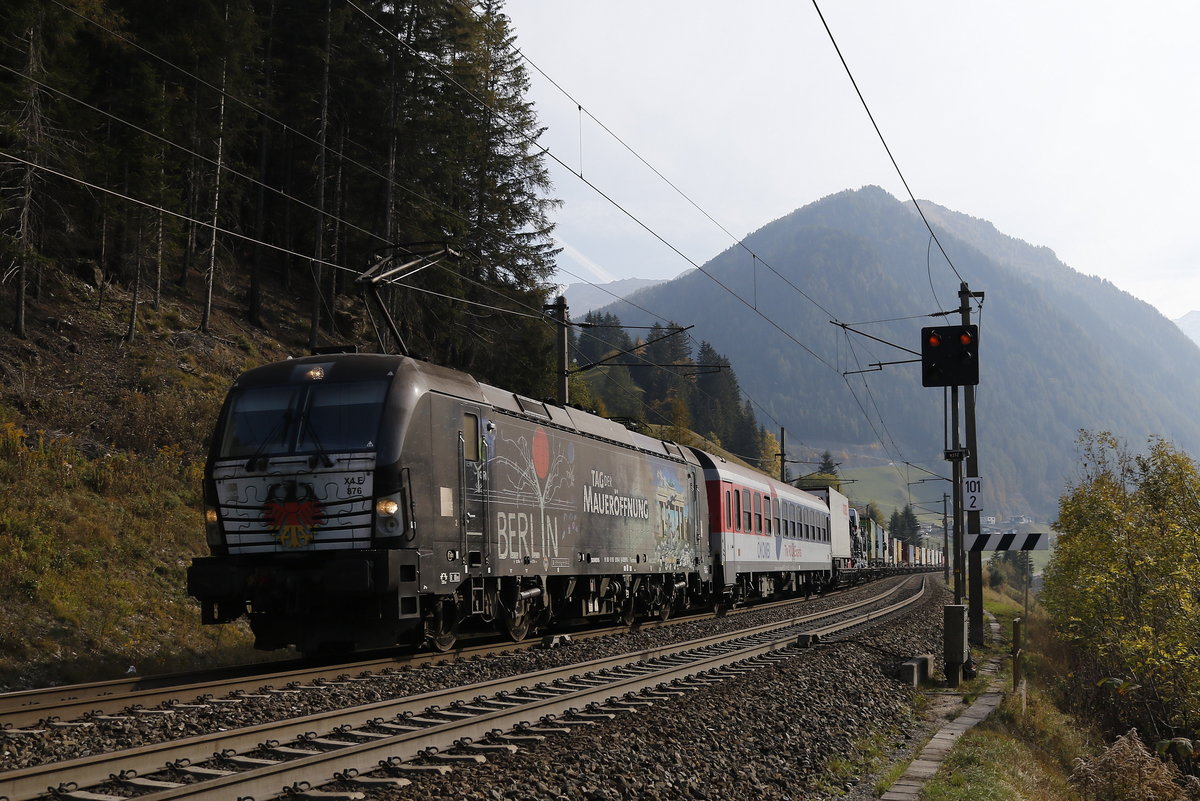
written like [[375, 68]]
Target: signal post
[[950, 358], [974, 558]]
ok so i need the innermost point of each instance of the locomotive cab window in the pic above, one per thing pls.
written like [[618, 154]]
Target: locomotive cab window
[[273, 421], [342, 417]]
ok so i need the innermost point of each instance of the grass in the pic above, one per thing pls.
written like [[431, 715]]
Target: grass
[[883, 487], [1025, 750], [93, 557], [990, 764], [101, 444]]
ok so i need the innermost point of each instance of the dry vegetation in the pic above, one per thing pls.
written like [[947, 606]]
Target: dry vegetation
[[102, 442]]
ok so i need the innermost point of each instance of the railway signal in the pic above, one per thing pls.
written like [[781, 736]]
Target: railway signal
[[950, 356]]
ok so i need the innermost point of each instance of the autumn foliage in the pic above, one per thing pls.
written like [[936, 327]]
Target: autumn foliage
[[1123, 587]]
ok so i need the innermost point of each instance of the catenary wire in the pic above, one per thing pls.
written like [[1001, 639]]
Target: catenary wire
[[313, 261], [883, 141]]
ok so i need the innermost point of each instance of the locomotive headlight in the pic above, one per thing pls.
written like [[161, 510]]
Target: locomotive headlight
[[390, 524], [212, 527]]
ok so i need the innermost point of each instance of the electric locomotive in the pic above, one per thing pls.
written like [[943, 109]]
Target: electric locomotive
[[360, 500]]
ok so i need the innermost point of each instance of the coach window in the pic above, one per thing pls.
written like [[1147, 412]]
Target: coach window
[[746, 513], [757, 513], [728, 511], [767, 513], [737, 518], [778, 530], [792, 519]]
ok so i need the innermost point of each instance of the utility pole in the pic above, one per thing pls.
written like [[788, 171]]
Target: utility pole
[[955, 455], [559, 307], [945, 541], [975, 566], [783, 454]]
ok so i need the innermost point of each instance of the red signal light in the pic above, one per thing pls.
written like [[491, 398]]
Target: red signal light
[[949, 356]]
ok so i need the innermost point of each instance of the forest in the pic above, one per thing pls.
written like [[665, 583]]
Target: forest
[[658, 379], [278, 153], [281, 150]]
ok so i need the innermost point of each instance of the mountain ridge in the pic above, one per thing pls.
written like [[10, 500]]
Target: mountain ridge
[[583, 297], [1190, 325], [1066, 351]]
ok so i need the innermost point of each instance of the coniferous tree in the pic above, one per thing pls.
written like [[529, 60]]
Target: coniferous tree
[[340, 134], [667, 375], [904, 526], [40, 36]]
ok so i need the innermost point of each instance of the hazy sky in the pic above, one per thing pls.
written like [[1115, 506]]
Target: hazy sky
[[1073, 125]]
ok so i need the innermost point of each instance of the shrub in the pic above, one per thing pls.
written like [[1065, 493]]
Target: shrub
[[1127, 771]]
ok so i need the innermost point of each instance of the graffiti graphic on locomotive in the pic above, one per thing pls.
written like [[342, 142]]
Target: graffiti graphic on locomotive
[[363, 500]]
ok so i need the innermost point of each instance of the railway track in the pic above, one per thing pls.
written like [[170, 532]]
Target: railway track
[[456, 724], [38, 707]]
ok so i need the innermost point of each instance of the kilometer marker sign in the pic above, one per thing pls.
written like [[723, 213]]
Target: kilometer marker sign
[[973, 494]]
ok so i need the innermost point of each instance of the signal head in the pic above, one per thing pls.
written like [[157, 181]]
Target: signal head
[[950, 356]]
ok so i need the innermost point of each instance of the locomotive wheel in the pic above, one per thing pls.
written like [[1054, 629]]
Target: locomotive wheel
[[442, 629], [666, 600], [664, 611], [516, 625], [628, 613]]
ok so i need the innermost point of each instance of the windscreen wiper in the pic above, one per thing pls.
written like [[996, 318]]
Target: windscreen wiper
[[306, 425], [282, 424]]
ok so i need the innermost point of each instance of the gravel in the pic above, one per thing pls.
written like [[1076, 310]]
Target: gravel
[[773, 733], [770, 732]]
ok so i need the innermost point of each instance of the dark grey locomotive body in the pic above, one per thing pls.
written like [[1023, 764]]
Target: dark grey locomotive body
[[361, 500]]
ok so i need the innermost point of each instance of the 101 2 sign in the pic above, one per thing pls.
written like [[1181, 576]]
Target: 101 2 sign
[[973, 494]]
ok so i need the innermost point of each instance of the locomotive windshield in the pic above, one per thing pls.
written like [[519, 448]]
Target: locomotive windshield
[[303, 418]]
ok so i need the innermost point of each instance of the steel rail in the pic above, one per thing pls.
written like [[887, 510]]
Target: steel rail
[[29, 783], [320, 768], [25, 708]]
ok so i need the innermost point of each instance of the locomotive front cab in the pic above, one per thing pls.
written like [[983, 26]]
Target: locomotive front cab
[[306, 523]]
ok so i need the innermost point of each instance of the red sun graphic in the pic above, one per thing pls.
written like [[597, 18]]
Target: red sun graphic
[[541, 453]]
